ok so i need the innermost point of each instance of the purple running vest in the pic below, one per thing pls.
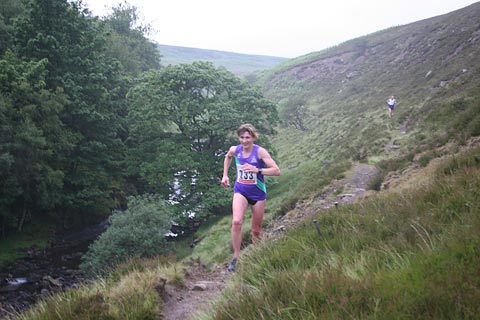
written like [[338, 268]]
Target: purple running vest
[[249, 184]]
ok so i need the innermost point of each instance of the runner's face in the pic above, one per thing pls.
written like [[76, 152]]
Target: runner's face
[[246, 139]]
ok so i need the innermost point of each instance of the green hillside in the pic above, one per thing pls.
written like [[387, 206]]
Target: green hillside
[[410, 250], [239, 64], [431, 66], [407, 249]]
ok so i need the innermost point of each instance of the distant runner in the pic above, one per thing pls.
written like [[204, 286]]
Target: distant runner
[[253, 163], [391, 102]]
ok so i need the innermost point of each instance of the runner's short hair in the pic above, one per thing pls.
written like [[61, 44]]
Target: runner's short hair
[[247, 127]]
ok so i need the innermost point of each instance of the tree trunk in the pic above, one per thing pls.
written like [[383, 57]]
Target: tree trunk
[[4, 222], [22, 219]]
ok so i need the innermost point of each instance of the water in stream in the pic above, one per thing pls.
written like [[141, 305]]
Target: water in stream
[[43, 272]]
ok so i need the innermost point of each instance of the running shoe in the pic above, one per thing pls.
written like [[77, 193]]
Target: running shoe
[[231, 265]]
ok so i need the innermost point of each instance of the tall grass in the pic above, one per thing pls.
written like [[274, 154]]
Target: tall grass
[[283, 193], [404, 255], [133, 291]]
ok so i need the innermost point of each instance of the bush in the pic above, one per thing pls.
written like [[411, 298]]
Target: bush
[[138, 231]]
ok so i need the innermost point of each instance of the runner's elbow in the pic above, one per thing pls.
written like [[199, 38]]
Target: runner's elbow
[[277, 172]]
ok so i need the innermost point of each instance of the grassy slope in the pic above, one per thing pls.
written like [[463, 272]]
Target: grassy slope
[[237, 63], [411, 253], [408, 244], [346, 88], [132, 291], [424, 64], [408, 253]]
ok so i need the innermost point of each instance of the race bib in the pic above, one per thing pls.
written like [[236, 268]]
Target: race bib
[[245, 177]]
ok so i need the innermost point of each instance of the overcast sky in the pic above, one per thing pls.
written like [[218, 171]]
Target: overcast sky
[[274, 27]]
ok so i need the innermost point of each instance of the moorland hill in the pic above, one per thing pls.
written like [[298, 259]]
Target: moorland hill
[[237, 63], [333, 102], [407, 250]]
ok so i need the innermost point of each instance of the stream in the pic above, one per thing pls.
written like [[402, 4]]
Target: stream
[[46, 271]]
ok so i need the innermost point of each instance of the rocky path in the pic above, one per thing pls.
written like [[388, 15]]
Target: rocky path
[[340, 192], [202, 287], [392, 144]]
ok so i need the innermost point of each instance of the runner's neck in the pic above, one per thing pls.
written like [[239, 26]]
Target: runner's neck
[[246, 151]]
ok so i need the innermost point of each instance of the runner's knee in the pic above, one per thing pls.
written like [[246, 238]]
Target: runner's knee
[[237, 223]]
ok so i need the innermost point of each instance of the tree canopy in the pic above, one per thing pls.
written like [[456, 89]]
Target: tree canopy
[[182, 118], [88, 117]]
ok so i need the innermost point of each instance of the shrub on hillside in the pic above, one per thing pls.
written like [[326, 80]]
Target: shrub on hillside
[[138, 231]]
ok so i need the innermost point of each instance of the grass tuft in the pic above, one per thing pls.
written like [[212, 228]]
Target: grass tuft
[[134, 291], [409, 254]]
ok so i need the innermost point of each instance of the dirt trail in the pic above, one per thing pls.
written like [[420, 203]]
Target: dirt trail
[[402, 130], [202, 287], [346, 190]]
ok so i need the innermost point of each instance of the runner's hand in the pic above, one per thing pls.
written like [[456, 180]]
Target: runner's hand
[[249, 168], [225, 182]]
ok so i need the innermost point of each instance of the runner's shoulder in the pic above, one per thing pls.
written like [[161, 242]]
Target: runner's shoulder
[[231, 151]]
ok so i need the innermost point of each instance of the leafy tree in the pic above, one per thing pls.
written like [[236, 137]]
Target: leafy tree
[[127, 41], [181, 120], [32, 134], [73, 45], [294, 112], [9, 9], [138, 231]]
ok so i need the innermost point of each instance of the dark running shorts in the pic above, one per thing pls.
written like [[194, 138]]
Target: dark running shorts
[[250, 201]]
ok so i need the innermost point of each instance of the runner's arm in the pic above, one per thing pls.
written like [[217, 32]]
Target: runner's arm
[[226, 165], [271, 168]]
